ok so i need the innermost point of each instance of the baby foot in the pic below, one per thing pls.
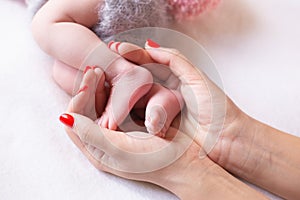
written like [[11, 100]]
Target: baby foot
[[127, 89], [91, 91], [163, 105]]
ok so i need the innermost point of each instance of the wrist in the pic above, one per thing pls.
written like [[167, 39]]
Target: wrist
[[262, 155], [241, 146], [193, 181], [201, 178], [211, 181], [186, 175]]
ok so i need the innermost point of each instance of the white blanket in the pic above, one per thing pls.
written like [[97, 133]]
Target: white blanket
[[255, 45]]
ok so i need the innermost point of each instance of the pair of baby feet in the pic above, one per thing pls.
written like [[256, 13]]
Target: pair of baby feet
[[133, 94]]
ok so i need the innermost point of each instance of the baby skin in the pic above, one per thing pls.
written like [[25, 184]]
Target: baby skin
[[63, 30], [160, 102]]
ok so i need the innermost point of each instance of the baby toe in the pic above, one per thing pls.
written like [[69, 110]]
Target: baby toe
[[156, 119]]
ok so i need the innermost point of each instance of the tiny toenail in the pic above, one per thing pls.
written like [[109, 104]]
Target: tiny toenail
[[110, 43], [87, 68], [117, 46]]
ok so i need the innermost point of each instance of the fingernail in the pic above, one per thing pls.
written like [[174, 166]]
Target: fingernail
[[152, 44], [87, 68], [67, 120], [110, 43], [84, 88], [94, 67], [117, 46]]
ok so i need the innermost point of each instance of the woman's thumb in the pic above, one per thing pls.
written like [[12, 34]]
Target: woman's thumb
[[86, 129]]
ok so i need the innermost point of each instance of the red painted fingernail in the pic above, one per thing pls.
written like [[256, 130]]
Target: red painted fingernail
[[117, 46], [87, 68], [152, 44], [110, 43], [84, 88], [67, 120]]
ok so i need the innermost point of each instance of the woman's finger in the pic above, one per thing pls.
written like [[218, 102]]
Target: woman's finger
[[111, 142], [87, 130], [133, 152], [178, 63]]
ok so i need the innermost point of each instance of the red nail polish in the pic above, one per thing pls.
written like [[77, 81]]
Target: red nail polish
[[117, 46], [84, 88], [67, 120], [110, 43], [152, 44], [87, 68]]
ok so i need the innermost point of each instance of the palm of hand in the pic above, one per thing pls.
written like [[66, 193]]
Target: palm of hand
[[131, 148]]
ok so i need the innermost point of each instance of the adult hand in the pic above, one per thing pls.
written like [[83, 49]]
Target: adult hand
[[208, 110], [172, 163], [244, 146]]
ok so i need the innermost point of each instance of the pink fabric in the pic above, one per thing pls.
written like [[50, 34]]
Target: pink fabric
[[190, 8]]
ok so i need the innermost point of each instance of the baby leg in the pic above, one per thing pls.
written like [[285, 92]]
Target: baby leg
[[66, 76], [163, 105]]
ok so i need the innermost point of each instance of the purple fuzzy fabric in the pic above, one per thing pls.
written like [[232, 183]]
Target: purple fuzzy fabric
[[116, 16]]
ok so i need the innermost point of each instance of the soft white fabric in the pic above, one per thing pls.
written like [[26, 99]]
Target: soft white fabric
[[255, 45], [35, 5]]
